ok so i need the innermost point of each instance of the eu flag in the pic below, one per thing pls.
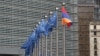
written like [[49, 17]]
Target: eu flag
[[52, 23], [53, 20], [30, 44], [29, 49], [42, 27], [32, 37]]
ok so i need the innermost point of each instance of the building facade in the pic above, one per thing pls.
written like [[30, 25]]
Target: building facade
[[19, 17], [85, 15], [88, 12], [94, 38]]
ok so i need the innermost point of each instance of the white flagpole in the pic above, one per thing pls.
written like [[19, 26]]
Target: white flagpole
[[64, 38], [39, 48], [35, 44], [41, 45], [57, 33], [42, 42], [31, 46], [46, 40], [41, 35], [38, 44], [63, 4], [51, 37]]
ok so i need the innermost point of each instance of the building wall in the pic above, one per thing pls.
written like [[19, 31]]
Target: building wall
[[94, 39], [85, 15], [88, 11], [19, 17]]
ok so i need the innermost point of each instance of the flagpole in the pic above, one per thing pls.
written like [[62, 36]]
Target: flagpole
[[41, 45], [51, 37], [37, 48], [42, 48], [57, 33], [63, 4], [36, 45], [41, 35], [46, 39], [31, 46]]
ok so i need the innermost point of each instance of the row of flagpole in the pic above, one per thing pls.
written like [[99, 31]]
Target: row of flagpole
[[39, 52], [42, 51]]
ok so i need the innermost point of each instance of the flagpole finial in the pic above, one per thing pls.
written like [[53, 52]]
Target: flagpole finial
[[57, 8], [63, 4], [45, 16], [38, 24], [34, 29], [51, 12]]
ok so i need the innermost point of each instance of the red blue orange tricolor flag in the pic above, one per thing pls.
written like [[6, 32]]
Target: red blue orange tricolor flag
[[65, 17]]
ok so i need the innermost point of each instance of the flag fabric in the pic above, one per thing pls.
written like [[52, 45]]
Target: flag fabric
[[30, 44], [53, 20], [32, 37], [52, 23], [48, 29], [29, 49], [45, 27], [42, 27], [65, 17]]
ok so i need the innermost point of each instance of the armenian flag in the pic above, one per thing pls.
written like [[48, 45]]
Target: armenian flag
[[65, 17]]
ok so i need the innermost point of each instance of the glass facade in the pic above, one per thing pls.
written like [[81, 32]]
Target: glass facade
[[19, 17], [97, 10], [85, 1]]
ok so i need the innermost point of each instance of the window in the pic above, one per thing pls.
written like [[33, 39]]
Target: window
[[95, 47], [94, 26], [95, 40], [95, 53], [95, 33]]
